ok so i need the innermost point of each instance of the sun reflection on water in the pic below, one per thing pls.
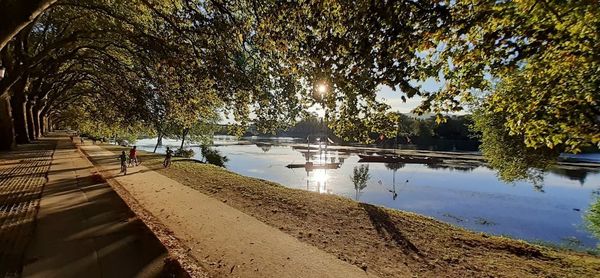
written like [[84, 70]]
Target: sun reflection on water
[[319, 179]]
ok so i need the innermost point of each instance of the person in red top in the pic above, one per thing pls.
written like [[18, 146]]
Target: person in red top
[[133, 159]]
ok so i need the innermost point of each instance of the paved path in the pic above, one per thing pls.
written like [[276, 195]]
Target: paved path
[[226, 241], [82, 228]]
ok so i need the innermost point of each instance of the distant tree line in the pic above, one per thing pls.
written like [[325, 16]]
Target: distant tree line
[[419, 132]]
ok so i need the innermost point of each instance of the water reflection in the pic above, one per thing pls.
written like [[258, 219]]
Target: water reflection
[[265, 147], [394, 167], [463, 167], [320, 180], [573, 174]]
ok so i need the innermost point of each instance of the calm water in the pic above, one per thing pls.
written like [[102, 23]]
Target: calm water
[[471, 197]]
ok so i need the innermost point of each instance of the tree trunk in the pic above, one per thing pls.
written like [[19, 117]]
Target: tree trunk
[[185, 132], [30, 120], [50, 124], [18, 102], [16, 14], [7, 131], [44, 124], [158, 142], [36, 122]]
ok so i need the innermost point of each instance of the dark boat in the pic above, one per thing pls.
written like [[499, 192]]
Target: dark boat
[[398, 159], [310, 166]]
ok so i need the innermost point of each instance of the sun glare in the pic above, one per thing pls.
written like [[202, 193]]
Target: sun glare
[[322, 88], [320, 176]]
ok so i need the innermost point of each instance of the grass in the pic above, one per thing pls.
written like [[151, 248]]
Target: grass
[[386, 242]]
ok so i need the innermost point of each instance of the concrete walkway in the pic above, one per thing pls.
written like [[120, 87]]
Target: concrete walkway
[[82, 228], [226, 241]]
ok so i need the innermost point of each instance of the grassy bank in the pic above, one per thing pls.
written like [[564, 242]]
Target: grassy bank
[[386, 242]]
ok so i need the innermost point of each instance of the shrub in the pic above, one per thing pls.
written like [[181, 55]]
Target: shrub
[[184, 153], [213, 156], [592, 218]]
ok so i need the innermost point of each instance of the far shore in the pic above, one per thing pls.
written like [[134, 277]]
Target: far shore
[[449, 157]]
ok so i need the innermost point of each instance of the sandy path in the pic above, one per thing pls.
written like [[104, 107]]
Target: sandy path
[[226, 241]]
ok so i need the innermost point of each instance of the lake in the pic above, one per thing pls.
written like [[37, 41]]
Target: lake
[[468, 196]]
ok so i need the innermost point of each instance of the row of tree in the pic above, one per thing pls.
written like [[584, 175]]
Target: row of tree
[[527, 68], [408, 130]]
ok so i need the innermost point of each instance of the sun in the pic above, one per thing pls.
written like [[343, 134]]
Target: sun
[[322, 88]]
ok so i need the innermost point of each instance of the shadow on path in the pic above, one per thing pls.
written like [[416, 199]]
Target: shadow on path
[[58, 218], [22, 177]]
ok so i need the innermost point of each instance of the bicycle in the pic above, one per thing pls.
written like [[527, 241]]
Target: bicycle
[[169, 154], [167, 162], [123, 168]]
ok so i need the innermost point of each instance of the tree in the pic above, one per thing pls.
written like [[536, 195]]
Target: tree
[[534, 66], [423, 127], [237, 46], [531, 62], [351, 49], [360, 177], [45, 53], [17, 14], [507, 152], [213, 156], [93, 49], [454, 127]]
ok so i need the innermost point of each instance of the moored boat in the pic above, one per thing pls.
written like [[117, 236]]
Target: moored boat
[[310, 165]]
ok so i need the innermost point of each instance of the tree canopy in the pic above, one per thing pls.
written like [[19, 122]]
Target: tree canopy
[[174, 68], [533, 65]]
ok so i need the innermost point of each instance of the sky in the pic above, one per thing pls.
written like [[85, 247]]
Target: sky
[[387, 95], [393, 98]]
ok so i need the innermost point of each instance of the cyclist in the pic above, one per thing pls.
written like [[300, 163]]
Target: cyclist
[[168, 156], [133, 159]]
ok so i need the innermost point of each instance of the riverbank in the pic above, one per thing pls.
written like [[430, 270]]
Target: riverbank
[[385, 242]]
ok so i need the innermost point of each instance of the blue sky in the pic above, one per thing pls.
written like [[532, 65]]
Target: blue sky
[[393, 98]]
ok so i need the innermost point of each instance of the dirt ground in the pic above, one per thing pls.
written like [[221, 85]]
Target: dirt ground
[[384, 242]]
